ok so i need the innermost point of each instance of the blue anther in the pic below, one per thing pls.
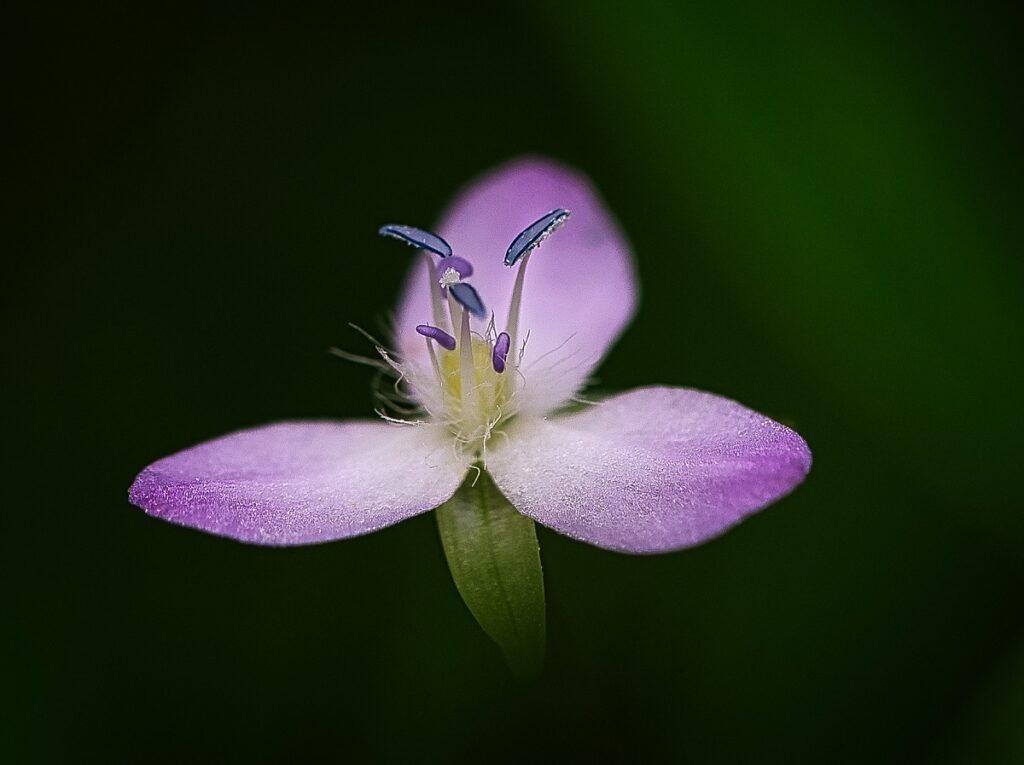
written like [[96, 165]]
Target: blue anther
[[534, 234], [468, 298], [417, 237], [500, 352], [441, 337]]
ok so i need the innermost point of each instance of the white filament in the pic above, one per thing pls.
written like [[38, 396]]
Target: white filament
[[435, 293], [512, 325], [467, 368]]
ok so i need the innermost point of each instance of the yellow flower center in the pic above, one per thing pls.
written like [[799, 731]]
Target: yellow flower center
[[476, 398]]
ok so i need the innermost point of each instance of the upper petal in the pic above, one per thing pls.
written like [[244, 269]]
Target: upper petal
[[580, 287], [302, 482], [651, 470]]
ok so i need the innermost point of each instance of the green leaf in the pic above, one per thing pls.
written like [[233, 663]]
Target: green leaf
[[494, 558]]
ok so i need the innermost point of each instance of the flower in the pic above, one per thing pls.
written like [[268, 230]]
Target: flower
[[651, 470]]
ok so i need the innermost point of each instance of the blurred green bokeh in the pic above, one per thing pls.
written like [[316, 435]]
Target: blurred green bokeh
[[825, 206]]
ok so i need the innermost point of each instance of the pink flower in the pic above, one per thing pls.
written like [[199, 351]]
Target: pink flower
[[647, 471]]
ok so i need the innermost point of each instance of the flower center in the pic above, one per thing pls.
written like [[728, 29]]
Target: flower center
[[477, 396], [477, 375], [471, 368]]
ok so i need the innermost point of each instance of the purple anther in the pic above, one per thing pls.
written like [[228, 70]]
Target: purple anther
[[461, 266], [500, 352], [532, 236], [468, 298], [439, 336], [417, 237]]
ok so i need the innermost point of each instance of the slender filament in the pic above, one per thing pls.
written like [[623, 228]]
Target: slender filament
[[512, 325], [435, 294], [468, 367]]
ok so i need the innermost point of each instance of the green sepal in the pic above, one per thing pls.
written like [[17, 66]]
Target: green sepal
[[494, 558]]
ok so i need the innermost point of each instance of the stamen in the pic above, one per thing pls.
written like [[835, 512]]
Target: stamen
[[435, 292], [441, 337], [467, 369], [454, 270], [438, 374], [417, 237], [500, 352], [532, 236], [514, 306], [454, 312], [468, 298]]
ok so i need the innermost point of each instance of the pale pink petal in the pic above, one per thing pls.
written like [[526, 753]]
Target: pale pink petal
[[580, 288], [302, 482], [648, 471]]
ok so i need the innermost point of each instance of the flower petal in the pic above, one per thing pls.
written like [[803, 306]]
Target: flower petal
[[580, 288], [648, 471], [302, 482]]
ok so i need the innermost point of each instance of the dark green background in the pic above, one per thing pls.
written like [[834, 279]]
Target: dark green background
[[826, 211]]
